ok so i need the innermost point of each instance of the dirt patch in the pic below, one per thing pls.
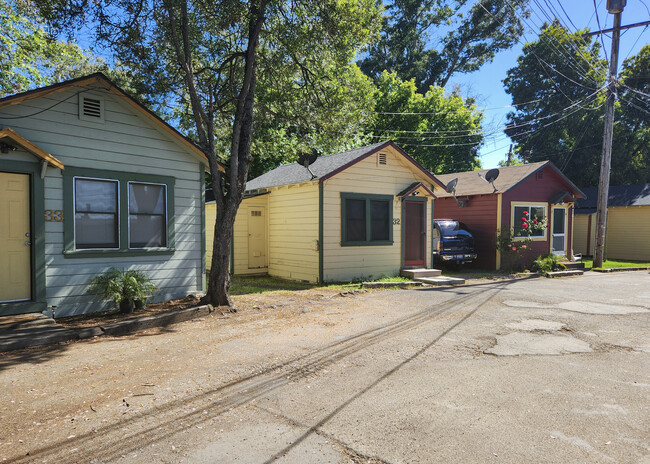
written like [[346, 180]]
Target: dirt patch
[[283, 305]]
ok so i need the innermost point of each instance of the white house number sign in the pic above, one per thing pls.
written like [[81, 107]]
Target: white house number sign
[[53, 215]]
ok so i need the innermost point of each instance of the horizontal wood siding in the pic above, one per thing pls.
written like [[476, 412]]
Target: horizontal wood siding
[[344, 263], [627, 233], [480, 215], [125, 142], [293, 232], [543, 190], [580, 237], [240, 235]]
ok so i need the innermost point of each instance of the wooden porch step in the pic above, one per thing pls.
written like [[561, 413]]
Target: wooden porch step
[[574, 265], [416, 273]]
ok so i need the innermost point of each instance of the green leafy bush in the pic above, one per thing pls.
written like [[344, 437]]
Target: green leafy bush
[[124, 287], [548, 263]]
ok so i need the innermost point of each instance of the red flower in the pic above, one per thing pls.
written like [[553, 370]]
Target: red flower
[[535, 221], [514, 248], [523, 219], [524, 226], [525, 213], [523, 246]]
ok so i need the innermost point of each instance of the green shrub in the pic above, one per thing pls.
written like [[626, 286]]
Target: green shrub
[[122, 286], [548, 263]]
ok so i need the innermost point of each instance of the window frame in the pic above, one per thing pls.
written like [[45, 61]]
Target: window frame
[[367, 197], [165, 229], [117, 211], [123, 179], [529, 205]]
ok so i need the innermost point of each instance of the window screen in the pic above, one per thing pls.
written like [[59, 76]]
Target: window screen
[[147, 215], [355, 212], [379, 220], [95, 219]]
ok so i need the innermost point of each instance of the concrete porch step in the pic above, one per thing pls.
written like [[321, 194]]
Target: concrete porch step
[[570, 272], [440, 280], [574, 265], [417, 273]]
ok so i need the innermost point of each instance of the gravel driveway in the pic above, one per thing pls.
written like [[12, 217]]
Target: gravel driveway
[[535, 370]]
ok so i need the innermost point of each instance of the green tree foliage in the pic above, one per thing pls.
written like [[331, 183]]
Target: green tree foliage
[[559, 109], [558, 87], [30, 57], [441, 131], [219, 68], [431, 40]]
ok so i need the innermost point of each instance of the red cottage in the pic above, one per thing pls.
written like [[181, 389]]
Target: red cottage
[[539, 189]]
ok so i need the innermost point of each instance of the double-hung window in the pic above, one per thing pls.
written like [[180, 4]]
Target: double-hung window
[[147, 215], [366, 219], [96, 219], [533, 213], [113, 212]]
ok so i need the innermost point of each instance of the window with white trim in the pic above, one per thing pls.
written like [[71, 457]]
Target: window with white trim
[[534, 213], [96, 213], [147, 215]]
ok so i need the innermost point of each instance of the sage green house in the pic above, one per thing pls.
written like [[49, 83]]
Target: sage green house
[[91, 179]]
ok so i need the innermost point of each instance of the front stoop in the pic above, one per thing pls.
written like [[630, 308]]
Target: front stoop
[[417, 273], [570, 272], [441, 280]]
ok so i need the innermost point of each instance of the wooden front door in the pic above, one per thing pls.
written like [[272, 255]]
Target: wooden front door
[[257, 237], [414, 234], [15, 241]]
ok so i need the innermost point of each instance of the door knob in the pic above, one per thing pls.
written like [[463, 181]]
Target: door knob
[[28, 243]]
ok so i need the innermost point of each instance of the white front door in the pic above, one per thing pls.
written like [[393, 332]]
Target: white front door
[[257, 237], [558, 231]]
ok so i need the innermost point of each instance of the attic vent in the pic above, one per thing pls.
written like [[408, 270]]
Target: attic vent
[[381, 158], [91, 108], [256, 213], [539, 175]]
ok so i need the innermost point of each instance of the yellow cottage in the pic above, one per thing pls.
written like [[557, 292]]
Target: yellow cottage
[[360, 214], [628, 221]]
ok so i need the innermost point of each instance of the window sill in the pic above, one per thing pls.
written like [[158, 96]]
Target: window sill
[[354, 244], [116, 253], [534, 239]]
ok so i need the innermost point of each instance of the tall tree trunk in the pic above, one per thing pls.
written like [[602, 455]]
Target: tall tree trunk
[[240, 159]]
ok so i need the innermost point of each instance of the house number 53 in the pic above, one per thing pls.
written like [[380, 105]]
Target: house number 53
[[53, 216]]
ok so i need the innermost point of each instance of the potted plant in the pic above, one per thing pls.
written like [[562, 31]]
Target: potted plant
[[124, 287]]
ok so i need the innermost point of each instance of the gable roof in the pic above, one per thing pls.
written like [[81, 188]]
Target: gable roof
[[620, 195], [101, 79], [469, 182], [325, 167]]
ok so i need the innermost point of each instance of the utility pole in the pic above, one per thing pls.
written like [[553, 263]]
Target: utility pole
[[509, 160], [614, 7]]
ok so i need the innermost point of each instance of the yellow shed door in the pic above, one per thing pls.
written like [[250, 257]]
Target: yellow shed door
[[257, 237], [15, 272]]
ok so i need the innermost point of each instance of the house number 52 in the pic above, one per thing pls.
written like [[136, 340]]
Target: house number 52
[[53, 216], [396, 221]]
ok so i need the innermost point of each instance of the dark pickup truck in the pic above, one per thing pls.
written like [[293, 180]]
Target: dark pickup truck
[[452, 243]]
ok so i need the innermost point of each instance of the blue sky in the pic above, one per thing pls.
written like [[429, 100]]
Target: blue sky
[[486, 86]]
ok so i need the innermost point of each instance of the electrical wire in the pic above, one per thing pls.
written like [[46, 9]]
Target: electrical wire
[[43, 110]]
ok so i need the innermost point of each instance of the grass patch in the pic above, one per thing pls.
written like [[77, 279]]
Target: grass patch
[[615, 263]]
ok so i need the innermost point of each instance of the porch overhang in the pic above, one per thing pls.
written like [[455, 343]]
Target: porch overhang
[[562, 197], [416, 189], [12, 138]]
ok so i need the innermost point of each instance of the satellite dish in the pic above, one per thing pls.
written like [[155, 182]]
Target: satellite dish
[[307, 159], [451, 186], [492, 175]]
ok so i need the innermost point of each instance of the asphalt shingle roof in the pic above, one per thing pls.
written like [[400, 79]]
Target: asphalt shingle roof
[[295, 173], [619, 195], [469, 183]]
